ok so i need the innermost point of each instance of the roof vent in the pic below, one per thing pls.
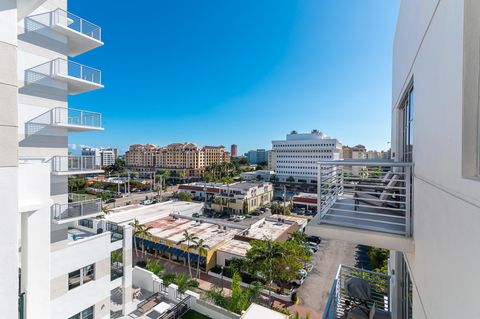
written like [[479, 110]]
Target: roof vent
[[293, 132]]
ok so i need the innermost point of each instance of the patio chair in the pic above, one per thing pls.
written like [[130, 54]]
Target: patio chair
[[377, 186], [381, 199], [359, 293]]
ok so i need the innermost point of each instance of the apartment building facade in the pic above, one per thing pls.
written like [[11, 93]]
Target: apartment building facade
[[182, 159], [297, 155], [106, 156], [52, 268], [237, 198], [429, 222]]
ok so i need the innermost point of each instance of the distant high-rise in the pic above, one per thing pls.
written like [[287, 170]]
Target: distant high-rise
[[296, 157], [233, 150]]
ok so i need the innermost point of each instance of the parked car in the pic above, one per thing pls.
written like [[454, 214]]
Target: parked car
[[147, 202], [240, 218], [314, 239], [313, 246], [195, 215], [255, 213], [111, 200]]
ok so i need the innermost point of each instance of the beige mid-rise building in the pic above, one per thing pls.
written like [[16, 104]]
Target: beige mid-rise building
[[184, 159]]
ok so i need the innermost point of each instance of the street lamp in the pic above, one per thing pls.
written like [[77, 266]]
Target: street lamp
[[222, 277]]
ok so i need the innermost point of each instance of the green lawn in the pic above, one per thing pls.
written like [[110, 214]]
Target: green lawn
[[191, 314]]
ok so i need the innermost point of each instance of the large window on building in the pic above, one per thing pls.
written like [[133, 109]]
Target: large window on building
[[406, 109], [81, 276], [85, 314]]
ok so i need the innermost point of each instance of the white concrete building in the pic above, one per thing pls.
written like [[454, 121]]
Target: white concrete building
[[426, 209], [297, 155], [106, 156], [53, 267]]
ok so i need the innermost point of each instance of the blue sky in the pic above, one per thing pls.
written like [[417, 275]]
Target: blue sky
[[244, 72]]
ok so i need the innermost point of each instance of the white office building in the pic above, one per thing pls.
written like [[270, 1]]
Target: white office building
[[297, 156], [105, 156], [425, 205], [53, 264]]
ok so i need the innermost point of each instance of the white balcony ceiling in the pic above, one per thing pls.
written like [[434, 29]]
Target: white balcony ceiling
[[78, 42]]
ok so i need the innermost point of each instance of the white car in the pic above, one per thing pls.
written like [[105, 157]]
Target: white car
[[313, 245], [240, 218], [303, 273]]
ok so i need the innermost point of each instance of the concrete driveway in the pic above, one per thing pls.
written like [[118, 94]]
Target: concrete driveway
[[313, 294]]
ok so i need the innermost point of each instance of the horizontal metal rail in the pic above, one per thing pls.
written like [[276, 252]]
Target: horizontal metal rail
[[64, 68], [338, 299], [77, 209], [370, 195], [75, 163], [69, 116], [78, 24]]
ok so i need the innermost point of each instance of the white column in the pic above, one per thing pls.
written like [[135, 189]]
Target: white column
[[127, 304], [9, 160], [34, 206]]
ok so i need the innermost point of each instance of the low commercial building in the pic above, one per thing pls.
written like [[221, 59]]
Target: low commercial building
[[305, 200], [276, 227], [236, 198], [167, 233], [262, 175]]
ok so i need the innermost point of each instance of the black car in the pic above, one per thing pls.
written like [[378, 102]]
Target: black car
[[314, 239], [255, 213]]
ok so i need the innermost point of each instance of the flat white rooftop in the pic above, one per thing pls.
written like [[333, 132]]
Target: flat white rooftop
[[148, 213], [256, 311]]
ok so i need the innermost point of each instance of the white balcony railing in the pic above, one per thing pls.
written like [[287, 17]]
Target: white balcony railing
[[78, 77], [73, 117], [76, 164], [355, 292], [81, 35], [76, 23], [76, 210], [366, 195]]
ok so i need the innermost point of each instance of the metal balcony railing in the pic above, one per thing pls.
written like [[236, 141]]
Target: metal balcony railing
[[65, 19], [67, 164], [74, 22], [367, 195], [80, 209], [69, 116], [62, 68], [340, 303]]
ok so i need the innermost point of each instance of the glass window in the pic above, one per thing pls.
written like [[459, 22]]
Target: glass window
[[85, 314], [407, 126], [82, 276]]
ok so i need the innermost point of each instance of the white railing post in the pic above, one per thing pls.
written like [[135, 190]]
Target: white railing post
[[408, 198]]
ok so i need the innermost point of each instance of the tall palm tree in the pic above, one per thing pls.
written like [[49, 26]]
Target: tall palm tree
[[202, 248], [136, 230], [144, 234], [264, 253], [189, 239]]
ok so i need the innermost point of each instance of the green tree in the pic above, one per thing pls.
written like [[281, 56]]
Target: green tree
[[184, 283], [290, 179], [155, 268], [264, 254], [184, 196], [239, 299], [202, 248], [144, 233], [189, 239]]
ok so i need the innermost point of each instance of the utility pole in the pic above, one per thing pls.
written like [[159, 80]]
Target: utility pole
[[205, 193], [128, 183], [118, 183]]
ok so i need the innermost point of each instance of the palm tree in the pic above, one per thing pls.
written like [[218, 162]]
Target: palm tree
[[144, 234], [136, 230], [189, 239], [202, 248], [184, 283], [263, 254]]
